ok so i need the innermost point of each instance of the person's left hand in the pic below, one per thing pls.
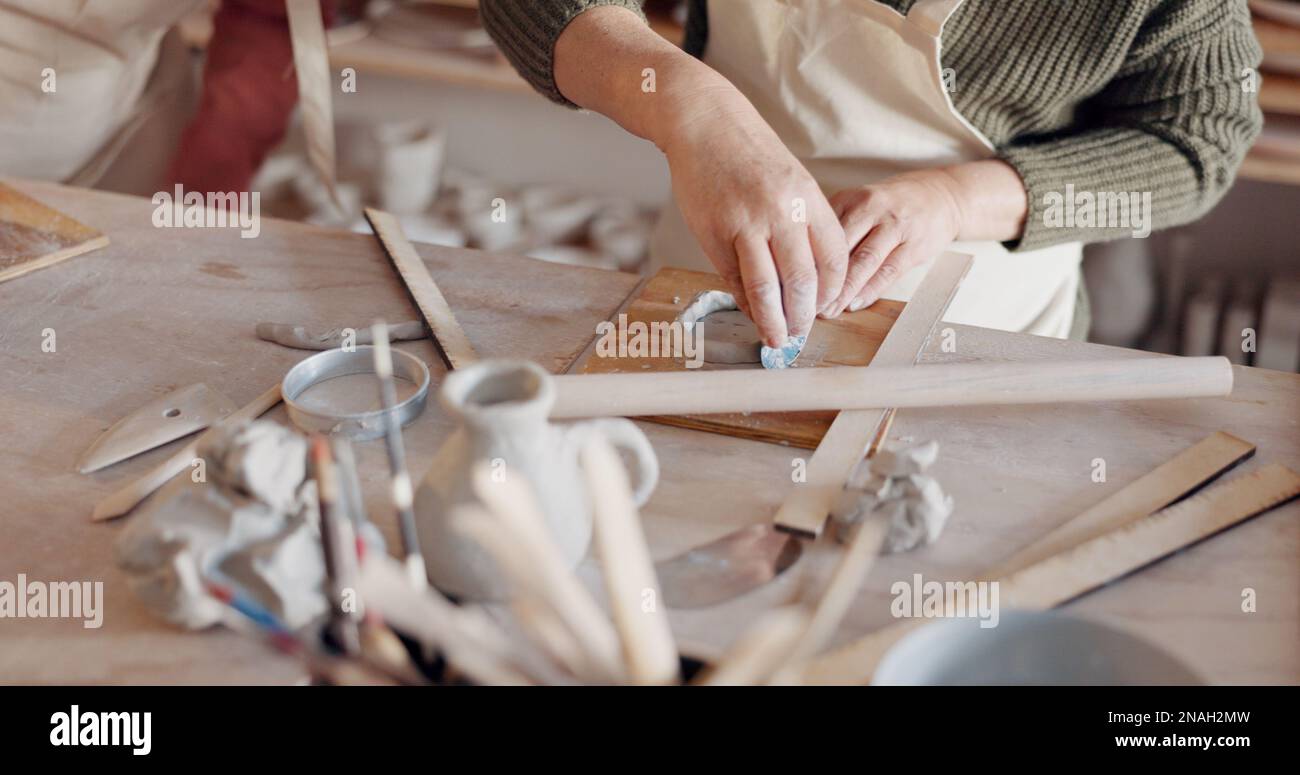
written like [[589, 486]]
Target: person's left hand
[[893, 226]]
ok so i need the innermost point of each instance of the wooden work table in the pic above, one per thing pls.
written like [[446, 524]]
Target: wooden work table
[[161, 308]]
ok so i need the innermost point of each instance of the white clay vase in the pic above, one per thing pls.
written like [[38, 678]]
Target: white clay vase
[[503, 407]]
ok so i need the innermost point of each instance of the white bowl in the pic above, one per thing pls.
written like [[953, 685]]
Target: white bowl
[[1028, 648]]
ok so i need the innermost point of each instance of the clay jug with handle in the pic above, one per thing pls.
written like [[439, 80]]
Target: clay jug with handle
[[502, 407]]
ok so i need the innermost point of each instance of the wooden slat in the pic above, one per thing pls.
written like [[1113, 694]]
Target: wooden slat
[[1092, 564], [448, 337], [805, 508], [1184, 473], [312, 67]]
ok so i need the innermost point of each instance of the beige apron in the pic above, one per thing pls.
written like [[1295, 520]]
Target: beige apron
[[856, 92], [122, 90]]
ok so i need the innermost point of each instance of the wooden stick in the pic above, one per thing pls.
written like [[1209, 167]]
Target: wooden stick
[[311, 65], [1184, 473], [648, 647], [448, 337], [843, 587], [1092, 564], [543, 608], [512, 502], [759, 651], [468, 638], [128, 497], [805, 509], [959, 384]]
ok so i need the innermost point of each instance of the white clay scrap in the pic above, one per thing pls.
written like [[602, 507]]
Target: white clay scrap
[[253, 521], [893, 486]]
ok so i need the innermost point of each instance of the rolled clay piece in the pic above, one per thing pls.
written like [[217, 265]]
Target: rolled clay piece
[[307, 338]]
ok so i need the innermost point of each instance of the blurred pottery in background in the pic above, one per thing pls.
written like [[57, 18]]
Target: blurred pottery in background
[[409, 166]]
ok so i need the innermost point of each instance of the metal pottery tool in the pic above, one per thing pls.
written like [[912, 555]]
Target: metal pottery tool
[[364, 425], [129, 496], [166, 418]]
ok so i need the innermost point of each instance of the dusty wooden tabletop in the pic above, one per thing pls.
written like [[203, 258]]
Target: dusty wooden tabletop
[[161, 308]]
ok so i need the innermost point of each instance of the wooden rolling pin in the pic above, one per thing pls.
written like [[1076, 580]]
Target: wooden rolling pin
[[961, 384]]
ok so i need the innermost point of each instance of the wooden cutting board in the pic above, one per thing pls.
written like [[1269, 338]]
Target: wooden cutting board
[[850, 340], [33, 236]]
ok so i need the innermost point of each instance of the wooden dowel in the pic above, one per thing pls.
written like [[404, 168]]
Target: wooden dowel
[[963, 384], [468, 639], [648, 647], [511, 501], [760, 650]]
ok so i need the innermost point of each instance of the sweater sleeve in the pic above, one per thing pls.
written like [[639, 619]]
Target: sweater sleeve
[[526, 31], [1176, 122]]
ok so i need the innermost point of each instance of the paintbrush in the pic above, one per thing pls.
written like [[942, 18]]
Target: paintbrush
[[334, 543], [320, 664], [400, 479]]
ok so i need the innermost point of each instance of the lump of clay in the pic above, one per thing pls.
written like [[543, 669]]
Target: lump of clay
[[254, 522], [893, 486]]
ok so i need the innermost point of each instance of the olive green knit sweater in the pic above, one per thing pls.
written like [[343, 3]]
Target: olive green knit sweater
[[1104, 95]]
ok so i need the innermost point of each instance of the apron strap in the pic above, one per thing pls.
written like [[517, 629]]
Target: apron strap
[[930, 15]]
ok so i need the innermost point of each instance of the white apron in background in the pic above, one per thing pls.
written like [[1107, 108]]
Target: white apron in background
[[855, 90], [121, 85]]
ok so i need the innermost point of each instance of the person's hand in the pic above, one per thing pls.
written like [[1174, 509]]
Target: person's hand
[[757, 213], [892, 227]]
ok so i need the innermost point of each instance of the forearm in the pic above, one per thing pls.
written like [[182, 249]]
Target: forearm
[[990, 199], [609, 61]]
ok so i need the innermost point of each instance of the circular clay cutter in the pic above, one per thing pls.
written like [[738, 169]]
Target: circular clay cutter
[[359, 425]]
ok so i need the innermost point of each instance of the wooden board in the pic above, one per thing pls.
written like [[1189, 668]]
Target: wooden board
[[850, 340], [33, 236]]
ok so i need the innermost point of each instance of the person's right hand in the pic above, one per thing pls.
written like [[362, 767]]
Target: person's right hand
[[757, 213]]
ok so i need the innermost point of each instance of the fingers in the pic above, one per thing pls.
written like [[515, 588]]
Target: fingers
[[900, 260], [799, 282], [762, 288], [866, 260], [831, 253]]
